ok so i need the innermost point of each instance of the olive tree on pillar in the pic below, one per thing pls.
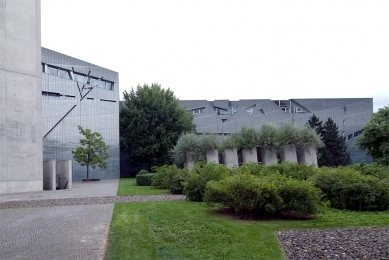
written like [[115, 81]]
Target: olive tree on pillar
[[92, 152]]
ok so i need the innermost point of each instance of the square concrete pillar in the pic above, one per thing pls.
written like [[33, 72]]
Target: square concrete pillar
[[49, 175], [212, 156], [307, 156], [288, 154], [249, 155], [231, 158], [64, 169], [268, 156], [189, 164]]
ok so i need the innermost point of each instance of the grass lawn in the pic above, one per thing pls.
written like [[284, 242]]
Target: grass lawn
[[189, 230], [127, 187]]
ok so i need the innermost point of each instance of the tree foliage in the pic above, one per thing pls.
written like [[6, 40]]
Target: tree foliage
[[151, 124], [92, 152], [375, 138], [334, 152]]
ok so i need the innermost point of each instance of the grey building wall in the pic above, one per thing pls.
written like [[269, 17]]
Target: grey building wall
[[65, 106], [20, 96], [224, 117]]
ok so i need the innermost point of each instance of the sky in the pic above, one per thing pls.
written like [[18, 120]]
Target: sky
[[221, 49]]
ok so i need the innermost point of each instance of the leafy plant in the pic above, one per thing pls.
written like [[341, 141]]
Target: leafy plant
[[308, 137], [248, 137], [268, 136], [291, 169], [92, 152], [209, 142], [288, 134], [188, 148], [230, 142], [144, 179]]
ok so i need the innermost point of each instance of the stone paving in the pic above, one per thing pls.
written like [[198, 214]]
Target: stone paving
[[66, 232]]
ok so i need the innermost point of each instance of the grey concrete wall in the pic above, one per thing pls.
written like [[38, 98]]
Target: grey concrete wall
[[212, 156], [307, 156], [268, 156], [21, 160], [288, 154], [64, 169], [249, 155], [230, 157], [49, 174], [189, 164]]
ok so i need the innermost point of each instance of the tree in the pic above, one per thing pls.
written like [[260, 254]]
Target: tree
[[334, 152], [92, 152], [151, 124], [375, 137]]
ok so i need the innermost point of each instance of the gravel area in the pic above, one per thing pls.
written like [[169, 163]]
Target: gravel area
[[86, 201], [345, 243]]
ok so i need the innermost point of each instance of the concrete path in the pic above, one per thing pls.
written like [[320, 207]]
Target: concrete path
[[63, 232]]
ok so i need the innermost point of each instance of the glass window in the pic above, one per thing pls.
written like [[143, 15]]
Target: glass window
[[52, 71], [64, 74], [43, 67], [78, 77], [108, 85]]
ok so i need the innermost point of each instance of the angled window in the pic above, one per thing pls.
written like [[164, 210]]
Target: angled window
[[250, 110], [63, 73], [52, 71], [79, 77]]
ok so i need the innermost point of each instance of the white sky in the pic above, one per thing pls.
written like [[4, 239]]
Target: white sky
[[220, 49]]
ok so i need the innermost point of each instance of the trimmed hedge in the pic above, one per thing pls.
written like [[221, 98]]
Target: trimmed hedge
[[144, 179], [346, 188], [249, 195]]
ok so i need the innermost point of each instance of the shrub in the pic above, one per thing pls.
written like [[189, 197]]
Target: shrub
[[158, 179], [250, 168], [209, 142], [291, 169], [144, 179], [287, 134], [200, 175], [308, 137], [230, 142], [175, 179], [299, 196], [377, 170], [142, 172], [268, 136], [244, 194], [346, 188], [248, 137]]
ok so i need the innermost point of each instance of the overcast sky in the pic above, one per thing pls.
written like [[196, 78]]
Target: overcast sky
[[219, 49]]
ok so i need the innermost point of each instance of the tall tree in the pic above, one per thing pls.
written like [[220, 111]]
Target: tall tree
[[151, 124], [375, 137], [335, 153], [92, 152]]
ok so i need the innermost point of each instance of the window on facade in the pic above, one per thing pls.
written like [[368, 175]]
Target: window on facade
[[63, 73], [250, 110], [78, 77], [197, 111], [52, 71], [299, 110]]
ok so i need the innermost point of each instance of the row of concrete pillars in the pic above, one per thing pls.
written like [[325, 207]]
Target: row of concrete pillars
[[230, 157], [57, 175]]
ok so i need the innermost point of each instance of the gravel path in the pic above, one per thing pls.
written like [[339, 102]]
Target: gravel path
[[345, 243], [86, 201]]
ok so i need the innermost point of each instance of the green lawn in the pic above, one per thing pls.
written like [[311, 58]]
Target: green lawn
[[127, 187], [189, 230]]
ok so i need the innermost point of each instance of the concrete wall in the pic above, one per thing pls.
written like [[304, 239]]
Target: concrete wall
[[307, 156], [49, 175], [64, 169], [21, 163], [249, 155], [268, 156], [288, 154], [230, 157], [212, 156]]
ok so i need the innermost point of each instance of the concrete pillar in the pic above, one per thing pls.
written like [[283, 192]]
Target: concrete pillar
[[189, 164], [21, 156], [249, 155], [212, 156], [307, 156], [288, 154], [268, 156], [231, 158], [64, 169], [49, 175]]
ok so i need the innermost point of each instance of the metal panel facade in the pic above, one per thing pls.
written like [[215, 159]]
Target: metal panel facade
[[65, 107]]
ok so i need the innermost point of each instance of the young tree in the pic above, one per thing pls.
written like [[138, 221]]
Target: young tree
[[315, 123], [92, 152], [375, 137], [151, 124], [335, 153]]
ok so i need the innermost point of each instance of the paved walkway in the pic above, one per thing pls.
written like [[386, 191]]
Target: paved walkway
[[63, 232]]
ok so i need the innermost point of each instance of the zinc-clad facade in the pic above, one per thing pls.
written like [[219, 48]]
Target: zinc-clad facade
[[66, 105]]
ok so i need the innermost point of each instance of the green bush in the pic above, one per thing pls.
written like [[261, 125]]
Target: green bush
[[144, 179], [175, 179], [200, 175], [188, 147], [250, 168], [377, 170], [291, 169], [346, 188], [299, 196], [158, 179], [244, 194]]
